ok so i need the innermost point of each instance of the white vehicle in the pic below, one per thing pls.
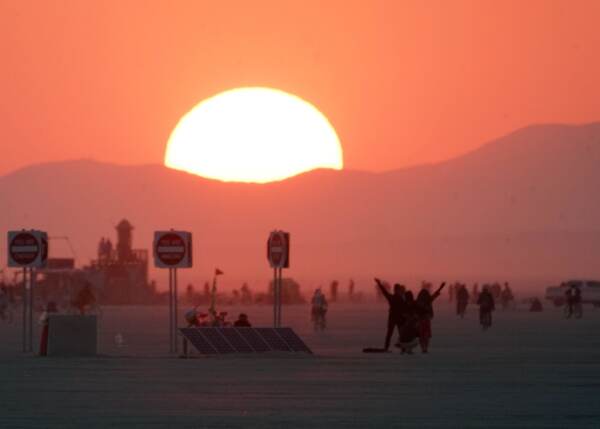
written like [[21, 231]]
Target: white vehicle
[[590, 292]]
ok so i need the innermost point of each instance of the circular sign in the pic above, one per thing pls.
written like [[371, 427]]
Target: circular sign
[[170, 249], [277, 249], [24, 248]]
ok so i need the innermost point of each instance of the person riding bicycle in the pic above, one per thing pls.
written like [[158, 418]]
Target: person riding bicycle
[[573, 295], [462, 300], [319, 310]]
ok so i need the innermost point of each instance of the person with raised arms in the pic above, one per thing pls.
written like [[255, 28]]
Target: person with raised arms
[[425, 313], [396, 310]]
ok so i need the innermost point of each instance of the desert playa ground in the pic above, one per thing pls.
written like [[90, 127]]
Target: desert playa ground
[[529, 370]]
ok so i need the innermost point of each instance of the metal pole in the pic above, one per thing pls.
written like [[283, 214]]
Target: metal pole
[[175, 312], [31, 301], [280, 299], [24, 310], [274, 297], [170, 310]]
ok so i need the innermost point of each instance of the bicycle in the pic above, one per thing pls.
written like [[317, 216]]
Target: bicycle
[[319, 320], [574, 310]]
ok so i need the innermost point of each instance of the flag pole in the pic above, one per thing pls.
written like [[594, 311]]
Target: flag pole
[[171, 310], [175, 312], [213, 294], [274, 297]]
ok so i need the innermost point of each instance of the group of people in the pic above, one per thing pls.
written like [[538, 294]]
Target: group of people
[[459, 292], [486, 299], [196, 318], [411, 317]]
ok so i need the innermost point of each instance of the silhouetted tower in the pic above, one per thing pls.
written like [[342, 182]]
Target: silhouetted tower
[[124, 246]]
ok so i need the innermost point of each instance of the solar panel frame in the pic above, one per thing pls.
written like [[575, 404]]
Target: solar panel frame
[[237, 341], [293, 340], [254, 339], [217, 340], [273, 339], [228, 340], [196, 339]]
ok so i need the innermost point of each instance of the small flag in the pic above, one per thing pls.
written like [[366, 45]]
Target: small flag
[[218, 272]]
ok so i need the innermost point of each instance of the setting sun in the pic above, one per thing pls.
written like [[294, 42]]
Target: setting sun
[[253, 135]]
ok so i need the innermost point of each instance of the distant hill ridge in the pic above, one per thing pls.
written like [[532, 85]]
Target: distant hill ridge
[[524, 204]]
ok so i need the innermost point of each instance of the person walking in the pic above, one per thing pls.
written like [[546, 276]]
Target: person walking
[[85, 299], [462, 300], [486, 306], [506, 296], [573, 296], [3, 303]]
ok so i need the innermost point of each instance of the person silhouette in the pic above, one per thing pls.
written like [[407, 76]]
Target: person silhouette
[[425, 313], [319, 310], [462, 300], [409, 332], [242, 321], [486, 306], [573, 296], [396, 309]]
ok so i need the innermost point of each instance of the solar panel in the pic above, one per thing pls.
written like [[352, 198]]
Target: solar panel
[[198, 341], [211, 341], [273, 339], [217, 340], [293, 340], [255, 340], [236, 340]]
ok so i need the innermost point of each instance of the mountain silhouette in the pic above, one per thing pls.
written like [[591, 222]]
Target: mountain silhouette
[[522, 206]]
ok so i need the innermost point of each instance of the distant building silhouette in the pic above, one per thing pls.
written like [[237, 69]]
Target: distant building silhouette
[[124, 243], [117, 277]]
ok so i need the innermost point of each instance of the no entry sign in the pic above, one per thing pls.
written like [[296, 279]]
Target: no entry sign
[[27, 248], [278, 249], [172, 249]]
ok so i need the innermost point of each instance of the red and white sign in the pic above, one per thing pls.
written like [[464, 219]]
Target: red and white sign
[[27, 248], [172, 249], [278, 249]]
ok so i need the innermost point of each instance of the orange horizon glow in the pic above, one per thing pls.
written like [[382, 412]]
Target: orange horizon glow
[[254, 135], [405, 83]]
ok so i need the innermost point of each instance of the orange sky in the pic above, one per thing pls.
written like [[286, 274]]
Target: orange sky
[[402, 82]]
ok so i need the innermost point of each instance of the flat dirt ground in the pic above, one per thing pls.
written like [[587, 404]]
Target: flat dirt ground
[[529, 370]]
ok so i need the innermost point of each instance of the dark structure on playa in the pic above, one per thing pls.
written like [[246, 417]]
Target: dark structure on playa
[[118, 276]]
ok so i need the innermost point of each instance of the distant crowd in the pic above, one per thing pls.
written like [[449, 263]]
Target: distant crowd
[[410, 317]]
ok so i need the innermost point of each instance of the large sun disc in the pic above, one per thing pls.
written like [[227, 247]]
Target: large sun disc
[[253, 135]]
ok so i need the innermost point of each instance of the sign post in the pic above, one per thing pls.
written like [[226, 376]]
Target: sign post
[[172, 250], [27, 249], [278, 254]]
